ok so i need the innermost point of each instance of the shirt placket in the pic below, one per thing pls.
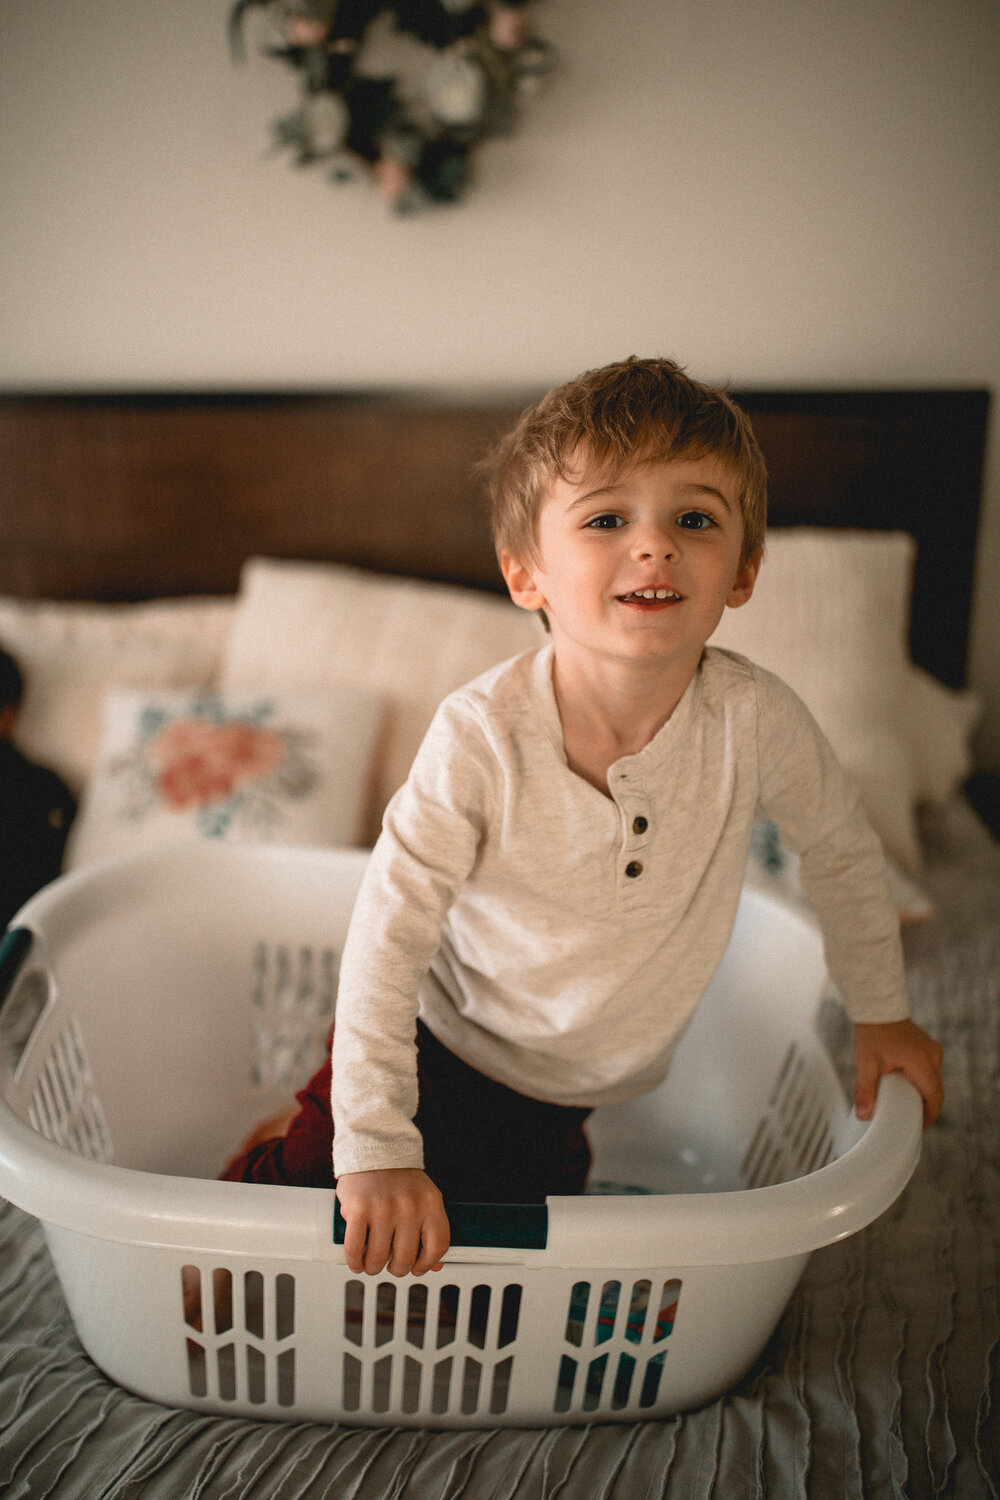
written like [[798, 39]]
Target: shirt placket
[[628, 788]]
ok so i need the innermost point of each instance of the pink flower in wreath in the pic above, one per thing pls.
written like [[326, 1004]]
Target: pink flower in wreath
[[304, 30], [199, 762], [509, 28]]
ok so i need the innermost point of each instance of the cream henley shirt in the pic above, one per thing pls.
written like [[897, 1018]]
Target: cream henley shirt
[[559, 940]]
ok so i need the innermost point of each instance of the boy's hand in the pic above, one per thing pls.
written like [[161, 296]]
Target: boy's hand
[[896, 1047], [395, 1217]]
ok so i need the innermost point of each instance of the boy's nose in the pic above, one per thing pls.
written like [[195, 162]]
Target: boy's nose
[[654, 542]]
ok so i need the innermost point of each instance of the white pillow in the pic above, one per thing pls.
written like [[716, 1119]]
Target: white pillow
[[279, 768], [830, 615], [70, 654], [309, 625], [941, 720]]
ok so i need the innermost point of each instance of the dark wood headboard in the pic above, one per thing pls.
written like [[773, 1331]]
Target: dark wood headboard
[[125, 497]]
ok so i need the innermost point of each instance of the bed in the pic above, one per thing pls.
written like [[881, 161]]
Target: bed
[[882, 1376]]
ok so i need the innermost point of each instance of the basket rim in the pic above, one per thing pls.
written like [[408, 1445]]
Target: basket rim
[[743, 1226], [108, 1202]]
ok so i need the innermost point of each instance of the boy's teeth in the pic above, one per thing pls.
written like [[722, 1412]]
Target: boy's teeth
[[654, 594]]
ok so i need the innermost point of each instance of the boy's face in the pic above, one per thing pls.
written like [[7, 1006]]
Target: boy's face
[[640, 568]]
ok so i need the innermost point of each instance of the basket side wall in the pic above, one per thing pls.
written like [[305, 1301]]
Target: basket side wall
[[695, 1130], [299, 1353]]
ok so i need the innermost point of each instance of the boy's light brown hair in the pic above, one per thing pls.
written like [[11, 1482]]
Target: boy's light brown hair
[[637, 411]]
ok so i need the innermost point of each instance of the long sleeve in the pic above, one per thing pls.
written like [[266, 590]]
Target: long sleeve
[[818, 814], [428, 845]]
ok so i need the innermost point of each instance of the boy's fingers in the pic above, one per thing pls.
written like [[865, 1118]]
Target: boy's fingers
[[379, 1249], [897, 1047], [405, 1245], [367, 1243], [355, 1241], [934, 1092], [396, 1221], [435, 1239], [923, 1074], [927, 1082], [865, 1086]]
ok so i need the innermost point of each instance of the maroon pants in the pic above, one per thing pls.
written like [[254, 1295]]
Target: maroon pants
[[483, 1142]]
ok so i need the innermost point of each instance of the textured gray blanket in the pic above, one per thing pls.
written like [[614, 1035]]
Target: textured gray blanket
[[882, 1380]]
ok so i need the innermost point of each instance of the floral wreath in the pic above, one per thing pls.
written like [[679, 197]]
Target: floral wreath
[[416, 143]]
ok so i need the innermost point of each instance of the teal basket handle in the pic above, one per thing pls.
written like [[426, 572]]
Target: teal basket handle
[[14, 947], [502, 1226]]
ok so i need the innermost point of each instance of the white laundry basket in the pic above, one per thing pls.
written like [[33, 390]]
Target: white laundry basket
[[157, 1007]]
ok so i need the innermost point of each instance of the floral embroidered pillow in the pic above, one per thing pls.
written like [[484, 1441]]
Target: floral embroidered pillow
[[245, 767]]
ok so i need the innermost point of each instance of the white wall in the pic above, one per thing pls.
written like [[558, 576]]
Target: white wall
[[785, 192]]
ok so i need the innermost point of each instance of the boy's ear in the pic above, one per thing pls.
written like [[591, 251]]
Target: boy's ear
[[745, 579], [521, 582]]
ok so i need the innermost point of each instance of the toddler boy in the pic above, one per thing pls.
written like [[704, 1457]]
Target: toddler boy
[[557, 881]]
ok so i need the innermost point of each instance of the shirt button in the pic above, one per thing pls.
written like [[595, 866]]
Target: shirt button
[[633, 869], [640, 824]]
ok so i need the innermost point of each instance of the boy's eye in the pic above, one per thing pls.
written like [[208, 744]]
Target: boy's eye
[[695, 520], [609, 522]]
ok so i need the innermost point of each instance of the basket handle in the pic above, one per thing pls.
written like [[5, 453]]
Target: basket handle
[[502, 1226], [14, 947]]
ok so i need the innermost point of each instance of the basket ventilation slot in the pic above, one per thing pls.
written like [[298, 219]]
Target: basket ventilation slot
[[429, 1349], [292, 990], [793, 1136], [246, 1324], [64, 1107], [634, 1323]]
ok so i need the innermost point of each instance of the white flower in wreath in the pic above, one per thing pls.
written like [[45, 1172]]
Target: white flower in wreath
[[455, 90], [325, 119], [304, 30], [509, 30]]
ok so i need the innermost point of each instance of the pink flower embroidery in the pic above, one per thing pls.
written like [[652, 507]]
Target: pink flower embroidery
[[198, 761]]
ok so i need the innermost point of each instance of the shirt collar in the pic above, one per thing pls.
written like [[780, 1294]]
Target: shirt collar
[[661, 743]]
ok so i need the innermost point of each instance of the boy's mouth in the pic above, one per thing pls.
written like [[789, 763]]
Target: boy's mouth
[[650, 596]]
